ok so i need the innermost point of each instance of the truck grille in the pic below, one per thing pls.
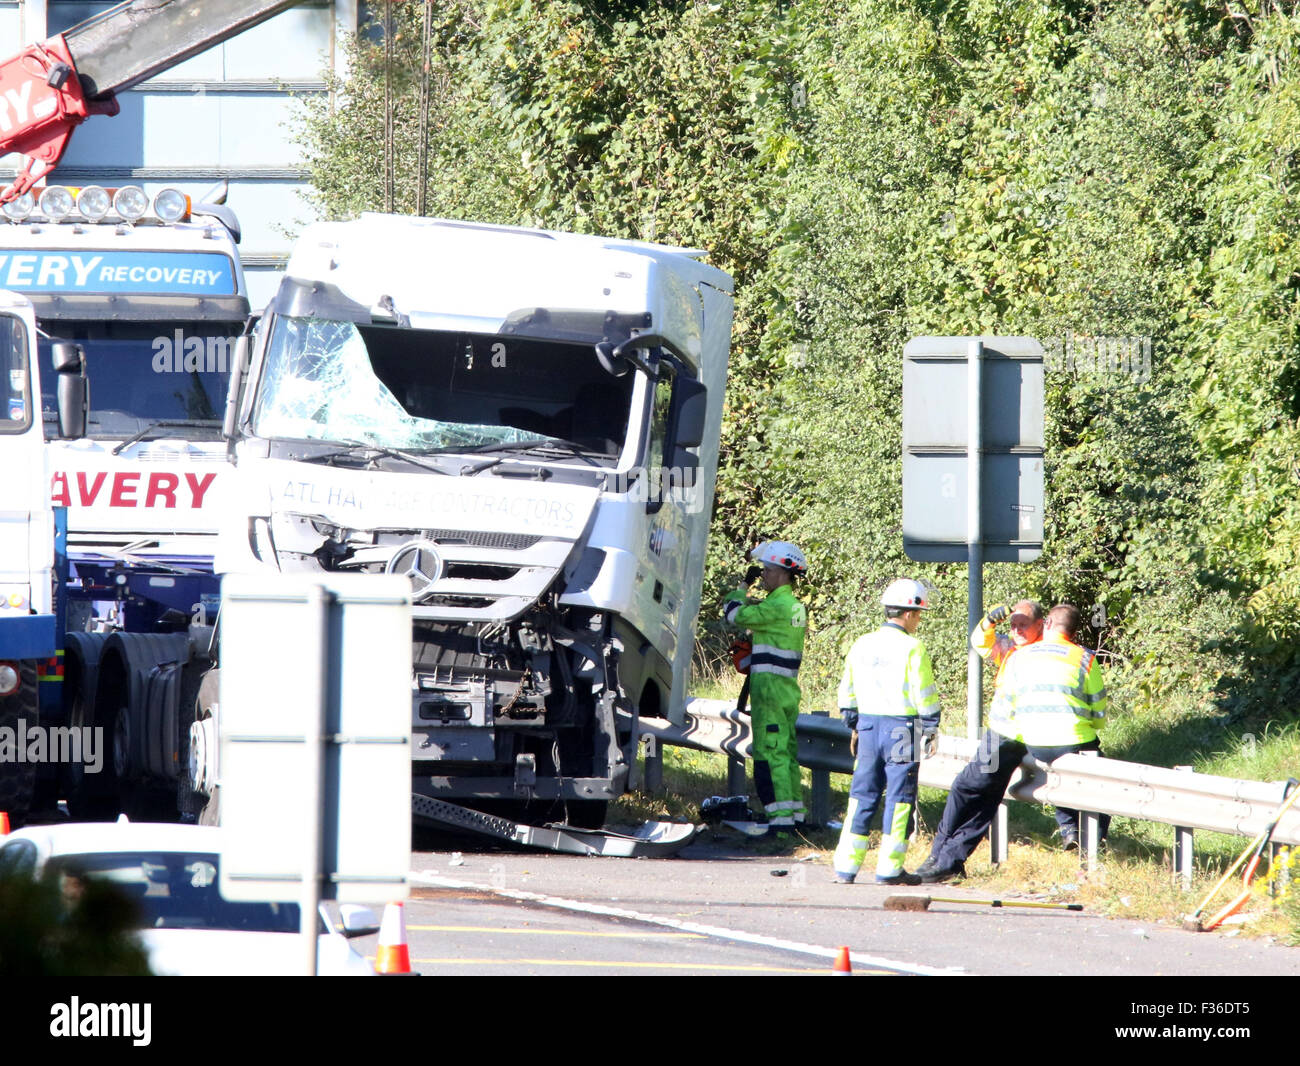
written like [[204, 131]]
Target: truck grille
[[483, 538]]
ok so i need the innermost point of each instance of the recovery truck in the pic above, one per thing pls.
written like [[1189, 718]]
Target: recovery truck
[[525, 424], [140, 298], [27, 622], [152, 304]]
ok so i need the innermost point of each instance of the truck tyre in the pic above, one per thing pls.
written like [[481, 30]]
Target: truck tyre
[[211, 813], [18, 779], [92, 797]]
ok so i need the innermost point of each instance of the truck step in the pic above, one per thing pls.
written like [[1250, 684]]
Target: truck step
[[651, 840]]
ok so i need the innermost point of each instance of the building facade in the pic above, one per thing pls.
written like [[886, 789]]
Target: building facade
[[224, 114]]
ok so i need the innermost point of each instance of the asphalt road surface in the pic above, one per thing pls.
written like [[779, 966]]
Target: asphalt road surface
[[720, 909]]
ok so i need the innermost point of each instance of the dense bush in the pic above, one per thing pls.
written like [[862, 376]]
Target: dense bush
[[1118, 179]]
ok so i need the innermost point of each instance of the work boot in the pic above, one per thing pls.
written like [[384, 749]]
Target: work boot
[[771, 843], [900, 878], [934, 871], [1069, 840], [844, 879]]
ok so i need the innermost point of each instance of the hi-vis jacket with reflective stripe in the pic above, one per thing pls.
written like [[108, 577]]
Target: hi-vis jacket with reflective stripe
[[779, 624], [998, 648], [888, 672], [1050, 694], [991, 645]]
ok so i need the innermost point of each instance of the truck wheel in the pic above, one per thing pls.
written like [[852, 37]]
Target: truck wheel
[[18, 779], [211, 813], [92, 797]]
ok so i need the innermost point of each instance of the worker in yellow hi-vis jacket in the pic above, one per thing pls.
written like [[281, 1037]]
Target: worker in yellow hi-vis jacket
[[889, 700], [1049, 701]]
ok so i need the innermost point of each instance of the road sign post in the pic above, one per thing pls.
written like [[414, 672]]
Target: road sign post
[[974, 529], [315, 725], [973, 436]]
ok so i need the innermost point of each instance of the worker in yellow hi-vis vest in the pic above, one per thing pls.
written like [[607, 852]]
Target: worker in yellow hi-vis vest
[[889, 700], [1049, 701]]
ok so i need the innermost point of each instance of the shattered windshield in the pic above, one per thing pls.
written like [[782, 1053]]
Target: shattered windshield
[[141, 373], [432, 390]]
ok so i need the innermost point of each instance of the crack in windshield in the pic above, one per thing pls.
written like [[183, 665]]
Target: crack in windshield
[[422, 392]]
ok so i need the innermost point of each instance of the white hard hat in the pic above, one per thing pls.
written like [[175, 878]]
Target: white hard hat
[[907, 594], [780, 553]]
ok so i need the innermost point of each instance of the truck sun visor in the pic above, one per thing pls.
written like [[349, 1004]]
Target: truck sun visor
[[579, 325], [296, 298]]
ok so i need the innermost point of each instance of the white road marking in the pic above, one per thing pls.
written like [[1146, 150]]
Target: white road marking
[[428, 877]]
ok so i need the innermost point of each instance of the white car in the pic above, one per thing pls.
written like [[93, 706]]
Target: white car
[[187, 928]]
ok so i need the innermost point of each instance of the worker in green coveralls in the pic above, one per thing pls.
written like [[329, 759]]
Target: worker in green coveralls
[[778, 624]]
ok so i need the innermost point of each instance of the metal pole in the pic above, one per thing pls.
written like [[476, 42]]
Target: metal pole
[[654, 767], [1184, 855], [1090, 824], [1090, 828], [819, 807], [974, 535], [314, 734], [736, 783], [422, 179], [998, 836], [390, 148]]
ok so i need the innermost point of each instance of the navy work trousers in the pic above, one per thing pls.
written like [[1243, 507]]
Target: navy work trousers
[[978, 789]]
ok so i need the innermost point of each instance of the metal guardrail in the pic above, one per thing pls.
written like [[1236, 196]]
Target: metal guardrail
[[1176, 797]]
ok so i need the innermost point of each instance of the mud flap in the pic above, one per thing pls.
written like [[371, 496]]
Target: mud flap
[[652, 840]]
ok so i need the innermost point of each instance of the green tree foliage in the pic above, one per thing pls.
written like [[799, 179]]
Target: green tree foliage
[[47, 933], [1117, 179]]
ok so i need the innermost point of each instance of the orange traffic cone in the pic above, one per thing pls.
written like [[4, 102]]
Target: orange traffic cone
[[843, 967], [393, 956], [4, 823]]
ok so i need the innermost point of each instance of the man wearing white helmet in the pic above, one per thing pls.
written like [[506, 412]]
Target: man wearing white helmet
[[889, 700], [779, 624]]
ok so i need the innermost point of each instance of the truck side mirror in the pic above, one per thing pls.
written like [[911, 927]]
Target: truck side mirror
[[692, 411], [235, 387], [73, 390]]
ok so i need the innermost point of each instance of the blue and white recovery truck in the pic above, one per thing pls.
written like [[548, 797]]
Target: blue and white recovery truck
[[149, 293], [138, 298], [524, 423]]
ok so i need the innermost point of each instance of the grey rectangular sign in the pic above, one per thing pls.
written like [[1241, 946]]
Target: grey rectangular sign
[[936, 425], [315, 668]]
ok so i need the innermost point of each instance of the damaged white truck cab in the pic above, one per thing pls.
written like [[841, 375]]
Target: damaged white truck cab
[[526, 424]]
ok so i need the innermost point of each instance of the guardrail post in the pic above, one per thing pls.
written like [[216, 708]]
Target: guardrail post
[[819, 811], [1090, 828], [1183, 854], [653, 777], [998, 835], [736, 783]]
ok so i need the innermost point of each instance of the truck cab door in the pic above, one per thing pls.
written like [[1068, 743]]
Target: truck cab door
[[669, 541], [26, 511]]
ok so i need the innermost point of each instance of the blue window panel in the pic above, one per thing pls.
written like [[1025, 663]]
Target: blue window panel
[[260, 53], [62, 15]]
